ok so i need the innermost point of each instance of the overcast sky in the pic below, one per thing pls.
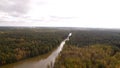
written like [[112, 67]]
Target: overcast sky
[[63, 13]]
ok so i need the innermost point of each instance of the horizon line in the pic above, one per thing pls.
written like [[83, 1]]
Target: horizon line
[[62, 27]]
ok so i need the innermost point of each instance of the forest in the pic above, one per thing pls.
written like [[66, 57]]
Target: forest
[[94, 48], [18, 43], [87, 47]]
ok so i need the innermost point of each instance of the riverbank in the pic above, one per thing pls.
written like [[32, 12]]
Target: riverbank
[[39, 62], [19, 44], [28, 60]]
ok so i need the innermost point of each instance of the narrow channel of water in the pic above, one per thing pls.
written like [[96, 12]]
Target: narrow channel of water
[[41, 63]]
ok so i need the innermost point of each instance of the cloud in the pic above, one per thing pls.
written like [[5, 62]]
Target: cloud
[[77, 13], [14, 7], [12, 12], [62, 17]]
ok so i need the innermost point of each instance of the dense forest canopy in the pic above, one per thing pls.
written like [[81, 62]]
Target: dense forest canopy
[[88, 37], [20, 43], [87, 48], [93, 48]]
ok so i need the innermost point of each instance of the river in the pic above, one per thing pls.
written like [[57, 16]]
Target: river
[[37, 62]]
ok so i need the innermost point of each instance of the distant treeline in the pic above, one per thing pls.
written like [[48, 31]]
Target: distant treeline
[[20, 43], [89, 37]]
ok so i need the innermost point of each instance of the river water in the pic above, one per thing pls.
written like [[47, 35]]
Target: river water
[[37, 62]]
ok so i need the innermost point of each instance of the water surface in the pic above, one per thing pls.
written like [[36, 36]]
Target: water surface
[[37, 62]]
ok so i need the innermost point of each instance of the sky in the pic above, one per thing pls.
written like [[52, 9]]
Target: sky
[[60, 13]]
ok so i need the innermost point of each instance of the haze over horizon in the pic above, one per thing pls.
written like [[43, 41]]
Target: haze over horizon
[[60, 13]]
